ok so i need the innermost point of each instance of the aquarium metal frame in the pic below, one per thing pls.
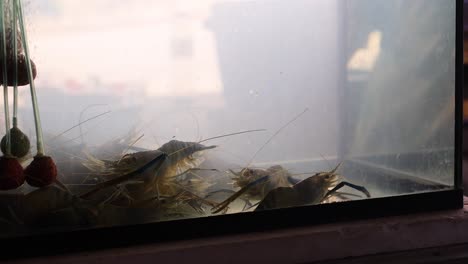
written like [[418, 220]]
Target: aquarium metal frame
[[239, 223]]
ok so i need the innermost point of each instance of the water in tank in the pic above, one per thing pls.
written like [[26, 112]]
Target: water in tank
[[129, 112]]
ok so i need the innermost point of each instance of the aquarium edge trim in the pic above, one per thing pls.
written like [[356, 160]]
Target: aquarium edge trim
[[95, 239]]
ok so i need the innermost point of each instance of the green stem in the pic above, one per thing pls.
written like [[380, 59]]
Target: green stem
[[15, 64], [5, 78], [37, 118]]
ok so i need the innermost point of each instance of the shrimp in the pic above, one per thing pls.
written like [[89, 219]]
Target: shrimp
[[276, 188], [165, 172], [155, 172], [313, 190]]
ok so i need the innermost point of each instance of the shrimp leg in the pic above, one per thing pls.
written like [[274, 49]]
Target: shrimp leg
[[344, 183], [218, 208]]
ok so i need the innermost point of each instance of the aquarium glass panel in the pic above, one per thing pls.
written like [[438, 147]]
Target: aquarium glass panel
[[400, 95], [162, 110]]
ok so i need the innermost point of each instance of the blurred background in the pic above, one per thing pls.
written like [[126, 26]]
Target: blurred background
[[180, 70]]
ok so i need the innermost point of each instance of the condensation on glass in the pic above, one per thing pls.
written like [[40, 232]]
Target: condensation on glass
[[161, 110]]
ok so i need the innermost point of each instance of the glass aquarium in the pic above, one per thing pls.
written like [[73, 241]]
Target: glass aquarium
[[168, 117]]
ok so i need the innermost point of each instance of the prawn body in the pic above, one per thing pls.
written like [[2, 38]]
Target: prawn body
[[275, 188], [165, 178], [307, 192], [277, 177]]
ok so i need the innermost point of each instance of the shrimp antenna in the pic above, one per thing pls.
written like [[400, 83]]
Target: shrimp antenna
[[79, 124], [211, 138], [335, 169], [81, 115], [275, 134], [232, 134], [326, 160]]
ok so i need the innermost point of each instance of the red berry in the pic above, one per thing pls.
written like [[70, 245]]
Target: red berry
[[11, 173], [41, 172], [23, 76]]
